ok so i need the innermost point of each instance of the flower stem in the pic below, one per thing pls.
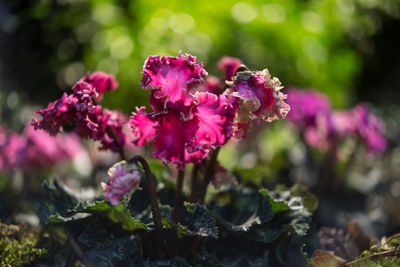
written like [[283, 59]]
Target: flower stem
[[208, 174], [111, 133], [151, 187], [178, 204], [195, 182]]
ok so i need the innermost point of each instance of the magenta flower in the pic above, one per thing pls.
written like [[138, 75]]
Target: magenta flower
[[101, 82], [3, 140], [170, 80], [37, 150], [228, 66], [257, 97], [79, 112], [13, 151], [215, 120], [369, 129], [178, 140], [171, 135], [124, 180], [187, 122], [305, 105]]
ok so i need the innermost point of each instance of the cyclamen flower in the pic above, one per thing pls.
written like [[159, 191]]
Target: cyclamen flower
[[228, 66], [369, 129], [305, 105], [258, 96], [170, 80], [79, 112], [327, 130], [101, 82], [37, 150], [124, 180]]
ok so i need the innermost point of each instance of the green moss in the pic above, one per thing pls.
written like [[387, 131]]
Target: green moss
[[17, 245]]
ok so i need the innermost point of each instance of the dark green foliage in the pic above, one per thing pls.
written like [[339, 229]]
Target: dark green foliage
[[241, 227]]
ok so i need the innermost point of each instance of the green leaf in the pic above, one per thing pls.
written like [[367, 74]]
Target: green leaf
[[196, 221], [238, 209], [95, 235], [122, 252], [58, 201], [277, 205], [119, 214], [173, 262]]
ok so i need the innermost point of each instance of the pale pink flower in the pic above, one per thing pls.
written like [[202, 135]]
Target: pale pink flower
[[124, 180]]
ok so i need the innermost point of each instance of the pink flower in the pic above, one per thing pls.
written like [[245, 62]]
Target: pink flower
[[171, 135], [256, 96], [3, 140], [110, 132], [144, 126], [124, 180], [37, 150], [215, 120], [228, 66], [369, 129], [259, 96], [178, 140], [305, 105], [79, 112], [170, 79], [101, 82], [13, 151]]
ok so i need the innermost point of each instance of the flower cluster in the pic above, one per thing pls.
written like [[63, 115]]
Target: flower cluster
[[124, 180], [79, 111], [36, 150], [191, 115], [323, 128]]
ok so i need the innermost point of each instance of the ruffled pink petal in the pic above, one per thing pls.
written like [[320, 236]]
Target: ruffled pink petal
[[228, 66], [197, 156], [110, 132], [259, 96], [170, 79], [215, 116], [174, 136], [124, 180], [57, 114], [101, 81], [143, 125]]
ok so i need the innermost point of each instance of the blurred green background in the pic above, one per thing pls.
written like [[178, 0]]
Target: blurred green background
[[345, 48]]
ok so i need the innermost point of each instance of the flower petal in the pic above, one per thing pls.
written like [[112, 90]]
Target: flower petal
[[170, 79], [143, 125], [215, 117], [259, 96], [228, 66], [174, 137]]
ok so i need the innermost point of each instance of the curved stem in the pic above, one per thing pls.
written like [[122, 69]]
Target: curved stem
[[178, 196], [208, 174], [151, 187]]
